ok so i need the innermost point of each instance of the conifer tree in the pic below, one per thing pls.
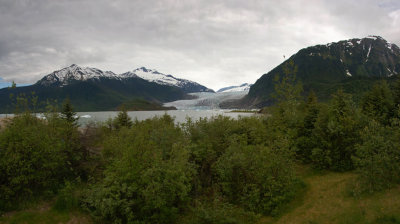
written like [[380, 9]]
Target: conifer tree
[[123, 119], [378, 103], [337, 132], [306, 141], [68, 113]]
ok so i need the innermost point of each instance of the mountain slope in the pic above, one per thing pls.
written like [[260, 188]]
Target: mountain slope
[[350, 64], [91, 89], [162, 79], [243, 87]]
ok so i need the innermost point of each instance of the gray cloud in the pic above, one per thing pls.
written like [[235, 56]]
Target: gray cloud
[[215, 43]]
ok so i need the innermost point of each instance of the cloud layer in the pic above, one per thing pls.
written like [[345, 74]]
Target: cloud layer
[[216, 43]]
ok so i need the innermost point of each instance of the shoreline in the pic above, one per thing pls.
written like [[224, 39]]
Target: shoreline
[[2, 120]]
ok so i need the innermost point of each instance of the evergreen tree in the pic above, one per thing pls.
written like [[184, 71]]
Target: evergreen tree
[[288, 95], [396, 93], [69, 132], [306, 141], [68, 113], [287, 88], [123, 119], [311, 112], [286, 115], [378, 103], [337, 132]]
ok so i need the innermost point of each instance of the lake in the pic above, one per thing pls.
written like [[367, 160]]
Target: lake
[[179, 115]]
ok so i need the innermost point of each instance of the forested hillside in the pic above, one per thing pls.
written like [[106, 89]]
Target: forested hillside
[[353, 65]]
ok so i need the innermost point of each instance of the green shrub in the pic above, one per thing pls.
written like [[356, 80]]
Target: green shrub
[[336, 133], [257, 178], [33, 159], [149, 178], [211, 137], [67, 199], [378, 103], [378, 157], [233, 162]]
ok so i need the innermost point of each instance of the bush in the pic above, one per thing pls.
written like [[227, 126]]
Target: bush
[[233, 162], [336, 134], [378, 157], [257, 178], [33, 159], [67, 198], [149, 178]]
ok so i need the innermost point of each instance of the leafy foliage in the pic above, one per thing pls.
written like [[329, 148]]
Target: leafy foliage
[[35, 157], [337, 132], [149, 178], [257, 178], [378, 157]]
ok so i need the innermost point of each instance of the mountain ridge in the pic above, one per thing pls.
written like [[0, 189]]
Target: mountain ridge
[[91, 89], [74, 73], [349, 64]]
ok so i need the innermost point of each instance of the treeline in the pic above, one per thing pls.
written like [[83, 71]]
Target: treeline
[[217, 170]]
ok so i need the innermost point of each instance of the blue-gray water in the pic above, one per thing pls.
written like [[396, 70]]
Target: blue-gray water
[[179, 115]]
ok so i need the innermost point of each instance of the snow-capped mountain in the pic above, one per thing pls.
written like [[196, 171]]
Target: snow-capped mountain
[[163, 79], [75, 73], [241, 88]]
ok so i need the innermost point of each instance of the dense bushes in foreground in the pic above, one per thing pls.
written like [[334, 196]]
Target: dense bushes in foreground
[[148, 178], [36, 157], [158, 169]]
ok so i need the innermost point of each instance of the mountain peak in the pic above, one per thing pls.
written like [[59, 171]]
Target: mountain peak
[[362, 51], [73, 73], [143, 69], [374, 37]]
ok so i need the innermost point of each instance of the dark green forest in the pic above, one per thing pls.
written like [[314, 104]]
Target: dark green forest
[[217, 170]]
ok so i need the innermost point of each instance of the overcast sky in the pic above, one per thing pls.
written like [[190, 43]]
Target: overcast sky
[[215, 43]]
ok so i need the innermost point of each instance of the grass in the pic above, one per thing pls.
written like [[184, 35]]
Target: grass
[[62, 209], [44, 215], [327, 200]]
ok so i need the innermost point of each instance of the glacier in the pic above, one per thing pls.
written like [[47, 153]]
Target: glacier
[[206, 100]]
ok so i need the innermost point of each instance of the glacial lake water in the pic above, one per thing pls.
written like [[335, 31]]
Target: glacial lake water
[[179, 115]]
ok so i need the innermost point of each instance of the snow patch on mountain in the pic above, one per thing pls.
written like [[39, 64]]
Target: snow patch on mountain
[[157, 77], [348, 73], [241, 88]]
